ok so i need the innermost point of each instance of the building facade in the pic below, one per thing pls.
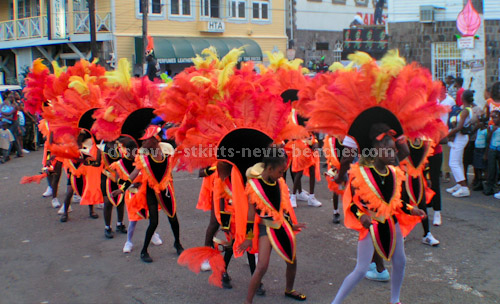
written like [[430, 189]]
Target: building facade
[[426, 31], [180, 28], [315, 27]]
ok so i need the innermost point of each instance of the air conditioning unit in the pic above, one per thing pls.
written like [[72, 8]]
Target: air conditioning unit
[[427, 13]]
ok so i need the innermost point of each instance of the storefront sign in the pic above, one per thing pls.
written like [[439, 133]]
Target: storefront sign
[[57, 19], [473, 65], [465, 43], [216, 26]]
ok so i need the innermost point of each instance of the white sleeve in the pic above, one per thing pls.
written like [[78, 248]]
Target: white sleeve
[[349, 142]]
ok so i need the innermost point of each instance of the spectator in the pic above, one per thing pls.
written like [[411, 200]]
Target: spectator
[[459, 82], [479, 162], [8, 111], [6, 139], [493, 152], [450, 86], [379, 7], [459, 138], [477, 112], [446, 100], [493, 101]]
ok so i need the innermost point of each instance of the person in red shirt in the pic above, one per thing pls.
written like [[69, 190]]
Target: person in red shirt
[[459, 81]]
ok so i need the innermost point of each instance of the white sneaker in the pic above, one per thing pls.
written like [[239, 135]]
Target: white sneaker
[[61, 210], [205, 266], [293, 200], [55, 203], [156, 239], [99, 206], [430, 240], [128, 247], [47, 192], [454, 188], [462, 192], [303, 196], [76, 198], [437, 218], [313, 202], [497, 195], [26, 151]]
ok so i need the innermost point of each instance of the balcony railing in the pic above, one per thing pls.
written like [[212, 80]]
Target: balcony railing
[[82, 22], [36, 27]]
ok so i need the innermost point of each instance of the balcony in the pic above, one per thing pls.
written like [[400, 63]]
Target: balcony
[[36, 27], [26, 28]]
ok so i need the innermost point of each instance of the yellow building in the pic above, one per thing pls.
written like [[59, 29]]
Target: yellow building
[[59, 30]]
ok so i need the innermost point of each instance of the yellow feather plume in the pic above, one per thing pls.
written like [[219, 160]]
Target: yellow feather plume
[[121, 76], [108, 115], [390, 67], [57, 69], [200, 80], [360, 58], [38, 66], [79, 84], [278, 61], [231, 58]]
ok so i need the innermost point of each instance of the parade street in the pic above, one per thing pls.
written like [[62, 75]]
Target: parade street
[[45, 261]]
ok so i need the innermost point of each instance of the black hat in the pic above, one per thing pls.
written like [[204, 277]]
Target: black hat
[[243, 148], [86, 120], [360, 128], [137, 122], [290, 95]]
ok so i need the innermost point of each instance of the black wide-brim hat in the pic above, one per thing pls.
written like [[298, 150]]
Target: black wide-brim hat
[[243, 148], [86, 120], [137, 122], [360, 128], [290, 95]]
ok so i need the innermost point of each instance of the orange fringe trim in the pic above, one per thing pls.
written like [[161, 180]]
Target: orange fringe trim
[[205, 199], [372, 200]]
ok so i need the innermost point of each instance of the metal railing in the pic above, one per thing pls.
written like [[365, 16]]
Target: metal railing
[[36, 27], [82, 22]]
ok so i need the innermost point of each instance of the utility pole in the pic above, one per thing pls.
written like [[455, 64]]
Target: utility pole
[[93, 36], [144, 8]]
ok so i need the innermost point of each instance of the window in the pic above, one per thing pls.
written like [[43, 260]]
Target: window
[[338, 1], [154, 7], [446, 60], [361, 2], [322, 46], [180, 7], [210, 8], [237, 9], [260, 10]]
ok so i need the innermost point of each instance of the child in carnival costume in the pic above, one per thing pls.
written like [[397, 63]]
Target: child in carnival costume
[[374, 105]]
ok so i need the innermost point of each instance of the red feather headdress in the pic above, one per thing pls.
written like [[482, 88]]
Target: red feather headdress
[[36, 81], [405, 90]]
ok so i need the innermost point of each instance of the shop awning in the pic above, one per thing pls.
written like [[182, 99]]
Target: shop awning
[[182, 50]]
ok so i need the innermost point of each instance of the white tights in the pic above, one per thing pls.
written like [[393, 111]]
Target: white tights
[[365, 253]]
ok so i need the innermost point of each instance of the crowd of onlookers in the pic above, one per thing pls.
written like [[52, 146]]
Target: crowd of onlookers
[[473, 139], [18, 128]]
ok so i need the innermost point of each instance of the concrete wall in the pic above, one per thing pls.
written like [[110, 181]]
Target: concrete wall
[[305, 44]]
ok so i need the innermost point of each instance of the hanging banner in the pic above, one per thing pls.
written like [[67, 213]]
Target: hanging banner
[[57, 19], [372, 40]]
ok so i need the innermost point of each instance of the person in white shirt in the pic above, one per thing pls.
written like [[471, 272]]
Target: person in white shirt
[[446, 100]]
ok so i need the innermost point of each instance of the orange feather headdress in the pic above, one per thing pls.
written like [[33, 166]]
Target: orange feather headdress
[[71, 94], [128, 94], [407, 91], [213, 98]]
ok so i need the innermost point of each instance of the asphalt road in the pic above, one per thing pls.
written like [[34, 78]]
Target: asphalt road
[[45, 261]]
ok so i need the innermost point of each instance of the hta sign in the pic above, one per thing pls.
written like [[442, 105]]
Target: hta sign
[[215, 26]]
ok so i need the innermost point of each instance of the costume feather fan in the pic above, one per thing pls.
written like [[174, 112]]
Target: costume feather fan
[[194, 257], [406, 90]]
